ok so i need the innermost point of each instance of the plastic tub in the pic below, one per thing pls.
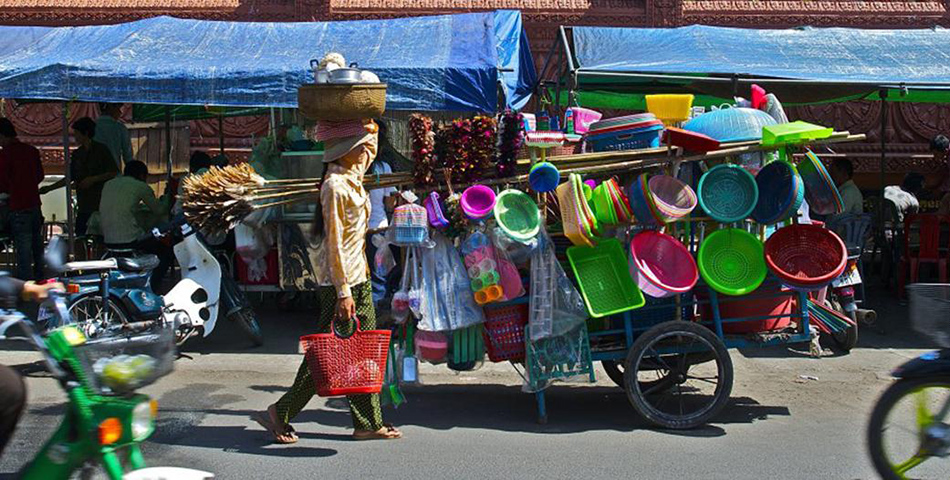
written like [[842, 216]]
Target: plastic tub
[[517, 215], [731, 124], [584, 118], [543, 177], [781, 192], [671, 199], [732, 261], [670, 108], [662, 266], [768, 301], [728, 193], [477, 202], [608, 123], [431, 346], [604, 279], [806, 257], [626, 140], [820, 190]]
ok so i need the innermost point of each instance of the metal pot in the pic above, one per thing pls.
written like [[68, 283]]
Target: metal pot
[[346, 75], [320, 75]]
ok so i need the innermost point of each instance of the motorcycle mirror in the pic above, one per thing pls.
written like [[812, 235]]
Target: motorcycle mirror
[[55, 255]]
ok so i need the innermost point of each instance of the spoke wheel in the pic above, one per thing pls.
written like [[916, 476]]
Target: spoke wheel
[[904, 435], [95, 321], [615, 372], [678, 375]]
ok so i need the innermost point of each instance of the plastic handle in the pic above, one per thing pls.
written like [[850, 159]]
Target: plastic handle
[[314, 63], [344, 337], [354, 65]]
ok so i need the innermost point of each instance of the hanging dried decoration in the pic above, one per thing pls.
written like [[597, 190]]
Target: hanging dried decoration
[[470, 147], [423, 149], [510, 141]]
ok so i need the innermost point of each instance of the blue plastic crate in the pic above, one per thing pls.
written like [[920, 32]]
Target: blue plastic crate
[[626, 139], [411, 235]]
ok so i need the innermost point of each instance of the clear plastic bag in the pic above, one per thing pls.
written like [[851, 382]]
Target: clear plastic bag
[[449, 304], [509, 278], [383, 261], [564, 357], [400, 306], [556, 306]]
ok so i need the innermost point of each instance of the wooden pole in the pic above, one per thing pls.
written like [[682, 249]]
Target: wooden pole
[[70, 215]]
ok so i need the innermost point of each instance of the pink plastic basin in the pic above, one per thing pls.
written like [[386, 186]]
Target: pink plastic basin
[[662, 265]]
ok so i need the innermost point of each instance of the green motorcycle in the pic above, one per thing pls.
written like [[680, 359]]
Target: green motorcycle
[[106, 420]]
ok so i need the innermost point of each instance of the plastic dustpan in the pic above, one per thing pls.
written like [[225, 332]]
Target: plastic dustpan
[[604, 279], [794, 132], [689, 141]]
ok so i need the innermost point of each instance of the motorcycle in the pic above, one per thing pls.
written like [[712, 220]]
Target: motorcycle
[[920, 398], [105, 418], [112, 296]]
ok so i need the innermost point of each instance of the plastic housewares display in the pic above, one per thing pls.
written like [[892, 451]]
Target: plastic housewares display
[[543, 177], [517, 215], [432, 347], [570, 214], [603, 205], [820, 190], [411, 224], [477, 202], [626, 136], [728, 193], [638, 193], [689, 141], [671, 108], [504, 332], [479, 258], [661, 265], [583, 119], [781, 192], [769, 301], [604, 279], [793, 132], [806, 257], [347, 365], [731, 124], [434, 211], [732, 261], [468, 348], [669, 198]]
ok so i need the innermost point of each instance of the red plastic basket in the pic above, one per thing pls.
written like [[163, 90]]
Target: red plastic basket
[[504, 332], [347, 365], [805, 256]]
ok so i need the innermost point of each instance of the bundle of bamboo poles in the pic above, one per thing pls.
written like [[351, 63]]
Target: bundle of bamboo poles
[[219, 199]]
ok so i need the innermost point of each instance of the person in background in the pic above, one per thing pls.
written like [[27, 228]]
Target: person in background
[[197, 164], [382, 201], [903, 198], [122, 198], [113, 133], [12, 387], [92, 166], [940, 148], [220, 160], [842, 173], [21, 172]]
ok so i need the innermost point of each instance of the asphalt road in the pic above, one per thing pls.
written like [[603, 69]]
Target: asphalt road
[[778, 424]]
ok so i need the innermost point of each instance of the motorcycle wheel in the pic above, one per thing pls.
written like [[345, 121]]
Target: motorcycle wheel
[[89, 316], [922, 398], [247, 322]]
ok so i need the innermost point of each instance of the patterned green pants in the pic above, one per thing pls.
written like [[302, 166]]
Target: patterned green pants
[[364, 408]]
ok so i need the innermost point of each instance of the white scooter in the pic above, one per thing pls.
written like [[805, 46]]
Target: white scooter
[[192, 306]]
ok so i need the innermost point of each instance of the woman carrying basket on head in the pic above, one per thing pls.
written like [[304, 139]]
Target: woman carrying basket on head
[[342, 272]]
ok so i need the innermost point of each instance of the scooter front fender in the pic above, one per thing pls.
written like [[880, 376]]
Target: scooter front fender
[[927, 365]]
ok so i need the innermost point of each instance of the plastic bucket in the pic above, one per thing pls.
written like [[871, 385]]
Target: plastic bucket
[[477, 201]]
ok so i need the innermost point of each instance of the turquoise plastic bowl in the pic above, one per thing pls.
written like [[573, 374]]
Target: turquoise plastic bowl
[[728, 193]]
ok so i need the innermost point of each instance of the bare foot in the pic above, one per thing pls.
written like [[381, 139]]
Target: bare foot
[[388, 432]]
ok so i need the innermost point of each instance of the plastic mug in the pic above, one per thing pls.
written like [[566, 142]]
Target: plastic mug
[[474, 272], [488, 295], [487, 265], [489, 278]]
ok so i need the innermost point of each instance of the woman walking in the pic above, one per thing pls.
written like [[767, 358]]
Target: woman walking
[[342, 272]]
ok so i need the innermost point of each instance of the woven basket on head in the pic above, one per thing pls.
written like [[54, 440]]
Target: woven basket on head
[[342, 101]]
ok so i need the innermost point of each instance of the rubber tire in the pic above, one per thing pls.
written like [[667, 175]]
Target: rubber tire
[[247, 322], [723, 389], [613, 371], [113, 306], [847, 339], [895, 392]]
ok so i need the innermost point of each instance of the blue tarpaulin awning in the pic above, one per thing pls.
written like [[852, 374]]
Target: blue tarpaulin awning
[[448, 62]]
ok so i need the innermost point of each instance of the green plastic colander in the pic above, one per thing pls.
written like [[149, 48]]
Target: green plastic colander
[[517, 214], [732, 261]]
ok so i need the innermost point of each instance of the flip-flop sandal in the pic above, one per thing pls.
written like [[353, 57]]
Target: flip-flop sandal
[[380, 436], [263, 419]]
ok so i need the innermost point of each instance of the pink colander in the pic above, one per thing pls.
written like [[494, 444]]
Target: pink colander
[[661, 264]]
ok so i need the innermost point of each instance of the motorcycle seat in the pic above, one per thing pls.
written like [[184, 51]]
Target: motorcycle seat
[[141, 263], [90, 265]]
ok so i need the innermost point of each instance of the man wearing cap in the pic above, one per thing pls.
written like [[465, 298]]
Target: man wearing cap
[[345, 292]]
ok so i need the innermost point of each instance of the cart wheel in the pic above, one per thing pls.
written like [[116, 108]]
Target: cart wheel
[[847, 339], [678, 375], [615, 372]]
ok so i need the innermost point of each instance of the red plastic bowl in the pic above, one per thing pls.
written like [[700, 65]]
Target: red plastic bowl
[[805, 256]]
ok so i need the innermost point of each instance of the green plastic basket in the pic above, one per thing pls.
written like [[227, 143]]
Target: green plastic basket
[[517, 214], [727, 193], [732, 261], [604, 278], [794, 132]]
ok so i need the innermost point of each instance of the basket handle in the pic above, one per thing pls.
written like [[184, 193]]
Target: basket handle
[[344, 337], [314, 63]]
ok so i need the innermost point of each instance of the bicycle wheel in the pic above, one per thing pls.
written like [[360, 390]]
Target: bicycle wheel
[[678, 375], [904, 437], [95, 321]]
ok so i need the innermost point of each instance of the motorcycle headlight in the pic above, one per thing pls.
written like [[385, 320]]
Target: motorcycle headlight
[[143, 419]]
